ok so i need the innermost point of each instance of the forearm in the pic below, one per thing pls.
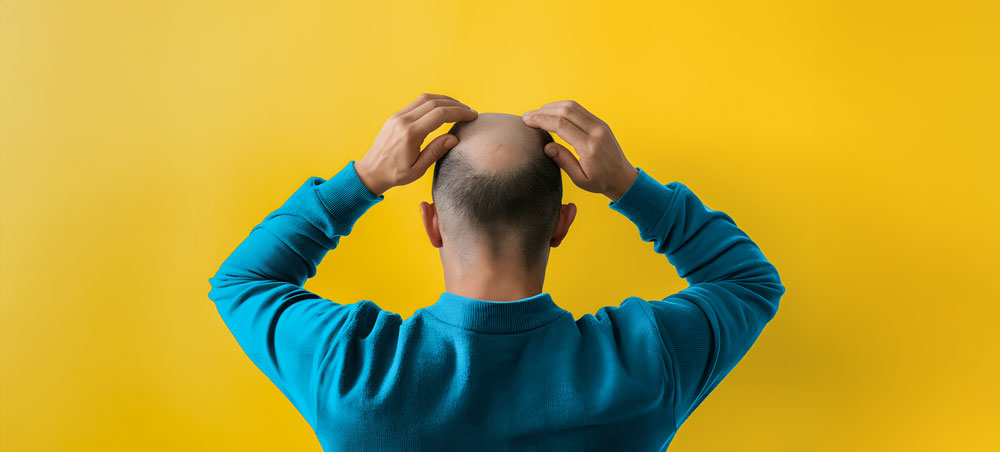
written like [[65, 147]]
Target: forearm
[[704, 245], [290, 242], [262, 279]]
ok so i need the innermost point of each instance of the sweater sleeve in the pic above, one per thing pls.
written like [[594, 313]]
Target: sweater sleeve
[[284, 329], [733, 290]]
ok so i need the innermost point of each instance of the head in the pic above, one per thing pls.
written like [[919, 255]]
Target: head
[[496, 195]]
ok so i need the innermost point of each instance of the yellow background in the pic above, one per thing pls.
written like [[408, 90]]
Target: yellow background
[[856, 142]]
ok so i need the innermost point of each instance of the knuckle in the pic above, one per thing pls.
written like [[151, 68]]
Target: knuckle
[[438, 113], [424, 97], [410, 133]]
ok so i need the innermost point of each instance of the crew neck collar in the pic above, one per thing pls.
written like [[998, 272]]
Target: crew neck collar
[[496, 316]]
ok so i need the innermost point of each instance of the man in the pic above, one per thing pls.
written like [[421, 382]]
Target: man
[[494, 363]]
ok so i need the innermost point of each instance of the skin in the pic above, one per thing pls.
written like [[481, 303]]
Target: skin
[[493, 142]]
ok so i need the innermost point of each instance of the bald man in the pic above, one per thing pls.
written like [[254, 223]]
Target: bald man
[[495, 363], [497, 200]]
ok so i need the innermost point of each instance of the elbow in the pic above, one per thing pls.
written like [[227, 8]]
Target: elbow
[[758, 279], [772, 290], [773, 296], [223, 289], [216, 292], [214, 284], [229, 275], [217, 281], [768, 288], [762, 278]]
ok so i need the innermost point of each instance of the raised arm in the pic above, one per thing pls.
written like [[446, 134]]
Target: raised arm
[[287, 331], [282, 327], [708, 327], [734, 291]]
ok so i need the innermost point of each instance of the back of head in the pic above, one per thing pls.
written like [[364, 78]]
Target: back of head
[[497, 189]]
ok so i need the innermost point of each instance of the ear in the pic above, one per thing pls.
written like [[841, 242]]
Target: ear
[[429, 212], [567, 213]]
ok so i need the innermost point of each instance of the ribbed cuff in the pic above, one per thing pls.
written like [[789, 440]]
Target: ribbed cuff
[[345, 196], [645, 201]]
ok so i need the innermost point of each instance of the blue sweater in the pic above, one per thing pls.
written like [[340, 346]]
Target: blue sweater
[[466, 374]]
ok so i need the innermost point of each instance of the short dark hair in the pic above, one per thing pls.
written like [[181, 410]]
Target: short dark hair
[[523, 203]]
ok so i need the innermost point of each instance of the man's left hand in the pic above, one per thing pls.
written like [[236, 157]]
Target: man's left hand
[[395, 157]]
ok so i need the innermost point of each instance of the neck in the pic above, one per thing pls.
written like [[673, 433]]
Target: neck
[[484, 278]]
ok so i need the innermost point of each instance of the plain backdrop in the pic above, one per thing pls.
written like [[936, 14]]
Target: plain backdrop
[[855, 142]]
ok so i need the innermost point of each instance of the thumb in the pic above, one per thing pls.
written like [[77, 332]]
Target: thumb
[[434, 150], [567, 161]]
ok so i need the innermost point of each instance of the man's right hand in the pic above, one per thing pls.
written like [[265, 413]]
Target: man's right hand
[[602, 167]]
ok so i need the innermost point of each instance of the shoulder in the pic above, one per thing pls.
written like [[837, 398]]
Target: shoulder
[[365, 316], [629, 319]]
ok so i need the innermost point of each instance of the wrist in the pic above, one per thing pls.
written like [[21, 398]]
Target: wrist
[[368, 178], [622, 184]]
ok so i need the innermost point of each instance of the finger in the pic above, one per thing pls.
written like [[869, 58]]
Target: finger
[[434, 151], [567, 161], [422, 99], [425, 107], [560, 125], [572, 111], [574, 104], [440, 115]]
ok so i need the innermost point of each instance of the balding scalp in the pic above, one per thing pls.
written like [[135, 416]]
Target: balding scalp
[[498, 189]]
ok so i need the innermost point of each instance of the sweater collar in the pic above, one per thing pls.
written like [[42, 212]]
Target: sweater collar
[[496, 316]]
